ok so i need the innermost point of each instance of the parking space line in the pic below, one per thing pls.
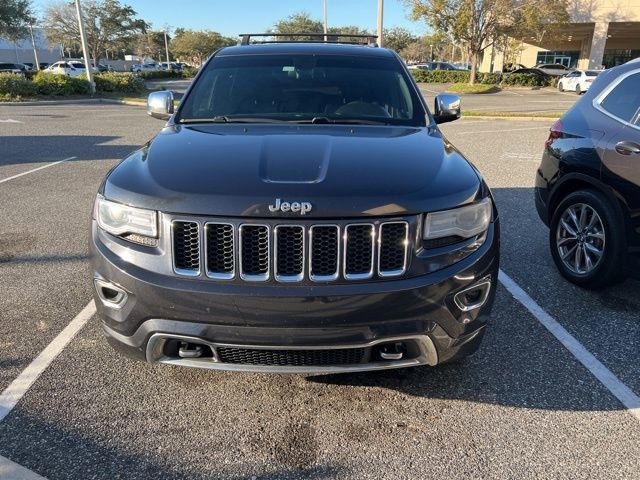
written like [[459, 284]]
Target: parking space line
[[36, 169], [605, 376], [546, 127], [17, 389], [12, 471]]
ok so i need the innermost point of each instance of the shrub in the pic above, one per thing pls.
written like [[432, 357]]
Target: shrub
[[52, 84], [462, 76], [118, 82], [441, 76], [153, 74], [527, 80], [156, 74], [189, 72], [12, 86]]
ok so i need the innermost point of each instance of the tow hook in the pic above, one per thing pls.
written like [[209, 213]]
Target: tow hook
[[392, 352], [189, 350]]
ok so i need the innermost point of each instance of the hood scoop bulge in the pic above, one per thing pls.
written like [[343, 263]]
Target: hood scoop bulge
[[304, 161]]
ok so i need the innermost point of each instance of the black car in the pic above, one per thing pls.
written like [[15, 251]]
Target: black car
[[532, 71], [294, 215], [588, 184]]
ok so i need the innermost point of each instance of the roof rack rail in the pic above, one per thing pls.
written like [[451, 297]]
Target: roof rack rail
[[368, 40]]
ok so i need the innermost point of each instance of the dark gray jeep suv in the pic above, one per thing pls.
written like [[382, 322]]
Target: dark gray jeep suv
[[300, 212]]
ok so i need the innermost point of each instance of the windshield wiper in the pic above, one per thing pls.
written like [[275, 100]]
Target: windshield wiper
[[227, 119]]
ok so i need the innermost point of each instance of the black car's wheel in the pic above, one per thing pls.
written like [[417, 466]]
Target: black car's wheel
[[587, 240], [578, 89]]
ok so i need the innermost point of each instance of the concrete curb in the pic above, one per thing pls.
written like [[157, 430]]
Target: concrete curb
[[523, 118]]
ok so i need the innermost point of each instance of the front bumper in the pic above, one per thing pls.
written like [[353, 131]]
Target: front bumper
[[418, 313]]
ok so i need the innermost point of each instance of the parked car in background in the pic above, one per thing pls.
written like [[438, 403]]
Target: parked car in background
[[171, 66], [588, 183], [70, 67], [511, 67], [579, 81], [432, 66], [462, 66], [10, 68], [554, 69], [144, 67], [25, 67], [530, 71], [104, 68]]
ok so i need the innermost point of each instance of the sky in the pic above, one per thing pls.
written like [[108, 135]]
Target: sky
[[232, 17]]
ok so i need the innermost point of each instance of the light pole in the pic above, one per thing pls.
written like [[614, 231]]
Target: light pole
[[85, 49], [33, 44], [324, 10], [380, 21], [166, 45]]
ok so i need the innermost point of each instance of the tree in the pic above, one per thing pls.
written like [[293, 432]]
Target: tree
[[197, 46], [15, 15], [148, 44], [427, 48], [398, 38], [108, 24], [478, 23], [300, 22], [344, 32]]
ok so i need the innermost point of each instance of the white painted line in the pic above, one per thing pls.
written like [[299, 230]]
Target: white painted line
[[623, 393], [36, 169], [10, 120], [507, 130], [17, 389], [12, 471]]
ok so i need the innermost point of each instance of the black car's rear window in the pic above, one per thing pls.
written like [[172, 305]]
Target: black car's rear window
[[302, 87]]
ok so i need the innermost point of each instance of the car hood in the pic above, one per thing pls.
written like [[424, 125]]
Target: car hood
[[343, 171]]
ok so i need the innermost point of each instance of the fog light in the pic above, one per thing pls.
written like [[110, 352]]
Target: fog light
[[110, 295], [474, 296]]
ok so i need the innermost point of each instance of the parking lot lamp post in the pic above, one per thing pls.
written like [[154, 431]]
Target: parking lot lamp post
[[33, 44], [324, 12], [380, 21], [85, 49], [166, 45]]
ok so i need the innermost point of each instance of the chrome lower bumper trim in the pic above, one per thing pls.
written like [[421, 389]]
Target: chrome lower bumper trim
[[428, 356]]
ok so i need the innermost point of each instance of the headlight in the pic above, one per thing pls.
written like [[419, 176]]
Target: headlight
[[119, 219], [464, 222]]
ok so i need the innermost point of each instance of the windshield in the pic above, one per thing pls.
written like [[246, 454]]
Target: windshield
[[590, 73], [299, 88]]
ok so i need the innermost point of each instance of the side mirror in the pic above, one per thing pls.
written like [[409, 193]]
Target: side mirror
[[160, 104], [446, 108]]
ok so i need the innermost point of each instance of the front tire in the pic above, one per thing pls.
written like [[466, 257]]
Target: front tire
[[578, 89], [587, 240], [560, 88]]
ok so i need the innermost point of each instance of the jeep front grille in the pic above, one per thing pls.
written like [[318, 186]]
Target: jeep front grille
[[290, 253]]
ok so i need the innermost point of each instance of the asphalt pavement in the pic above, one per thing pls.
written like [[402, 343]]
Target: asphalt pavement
[[522, 407]]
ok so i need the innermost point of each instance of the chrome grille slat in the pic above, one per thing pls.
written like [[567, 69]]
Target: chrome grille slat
[[186, 247], [324, 253], [255, 252], [288, 252], [359, 251], [393, 249], [219, 250]]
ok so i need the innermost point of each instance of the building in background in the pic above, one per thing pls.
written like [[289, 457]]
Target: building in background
[[22, 51], [602, 33]]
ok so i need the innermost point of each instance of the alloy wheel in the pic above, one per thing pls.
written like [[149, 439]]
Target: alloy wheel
[[580, 238]]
